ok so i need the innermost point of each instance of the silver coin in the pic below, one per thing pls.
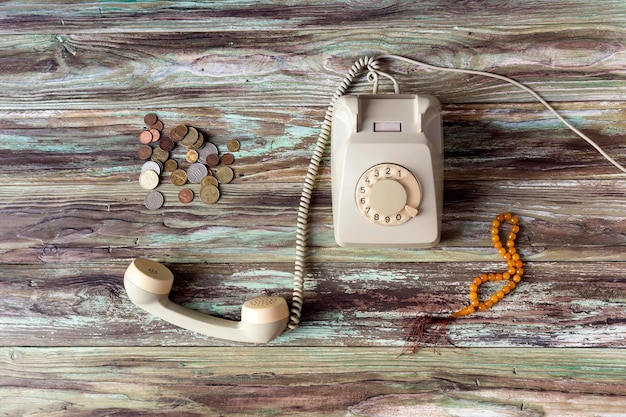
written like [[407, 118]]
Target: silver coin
[[148, 179], [152, 166], [196, 172], [154, 200], [206, 150]]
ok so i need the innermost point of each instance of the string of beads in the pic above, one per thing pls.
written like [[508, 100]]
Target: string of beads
[[512, 276], [430, 330]]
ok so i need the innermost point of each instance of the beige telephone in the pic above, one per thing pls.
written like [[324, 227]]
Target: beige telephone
[[387, 170]]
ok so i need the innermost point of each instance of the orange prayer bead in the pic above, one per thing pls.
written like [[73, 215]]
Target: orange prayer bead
[[511, 277]]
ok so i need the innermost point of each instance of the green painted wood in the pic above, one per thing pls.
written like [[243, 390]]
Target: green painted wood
[[236, 16], [346, 304], [200, 70], [312, 382]]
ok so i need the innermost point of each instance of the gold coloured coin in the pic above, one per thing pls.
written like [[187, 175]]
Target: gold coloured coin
[[178, 177], [179, 132], [170, 165], [199, 142], [209, 180], [191, 156], [190, 138], [209, 194], [233, 145], [160, 155], [224, 175], [148, 180]]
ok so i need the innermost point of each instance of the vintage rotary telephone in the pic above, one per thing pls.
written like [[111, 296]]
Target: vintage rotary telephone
[[387, 190]]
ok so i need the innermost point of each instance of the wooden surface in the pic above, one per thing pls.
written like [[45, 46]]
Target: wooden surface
[[75, 83]]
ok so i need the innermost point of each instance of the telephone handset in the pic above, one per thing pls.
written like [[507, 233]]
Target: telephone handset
[[148, 284], [387, 170]]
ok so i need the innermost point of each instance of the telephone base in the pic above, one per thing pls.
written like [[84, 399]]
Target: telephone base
[[377, 142]]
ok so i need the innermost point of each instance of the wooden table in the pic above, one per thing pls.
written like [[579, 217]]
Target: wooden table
[[76, 81]]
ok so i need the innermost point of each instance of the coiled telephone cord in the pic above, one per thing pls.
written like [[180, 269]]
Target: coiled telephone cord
[[360, 66]]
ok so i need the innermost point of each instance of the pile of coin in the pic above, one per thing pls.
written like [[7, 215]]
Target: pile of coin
[[195, 167]]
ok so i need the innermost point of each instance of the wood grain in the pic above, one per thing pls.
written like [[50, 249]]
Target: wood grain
[[76, 80], [347, 304], [313, 382], [200, 70]]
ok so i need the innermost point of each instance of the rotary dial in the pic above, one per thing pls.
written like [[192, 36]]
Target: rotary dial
[[388, 194]]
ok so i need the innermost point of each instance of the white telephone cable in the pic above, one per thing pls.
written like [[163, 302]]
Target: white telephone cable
[[517, 84]]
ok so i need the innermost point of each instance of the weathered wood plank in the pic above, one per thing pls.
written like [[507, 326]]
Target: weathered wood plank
[[582, 220], [347, 304], [481, 142], [313, 382], [267, 68], [234, 16]]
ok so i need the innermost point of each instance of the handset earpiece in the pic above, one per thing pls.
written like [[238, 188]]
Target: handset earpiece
[[148, 284]]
